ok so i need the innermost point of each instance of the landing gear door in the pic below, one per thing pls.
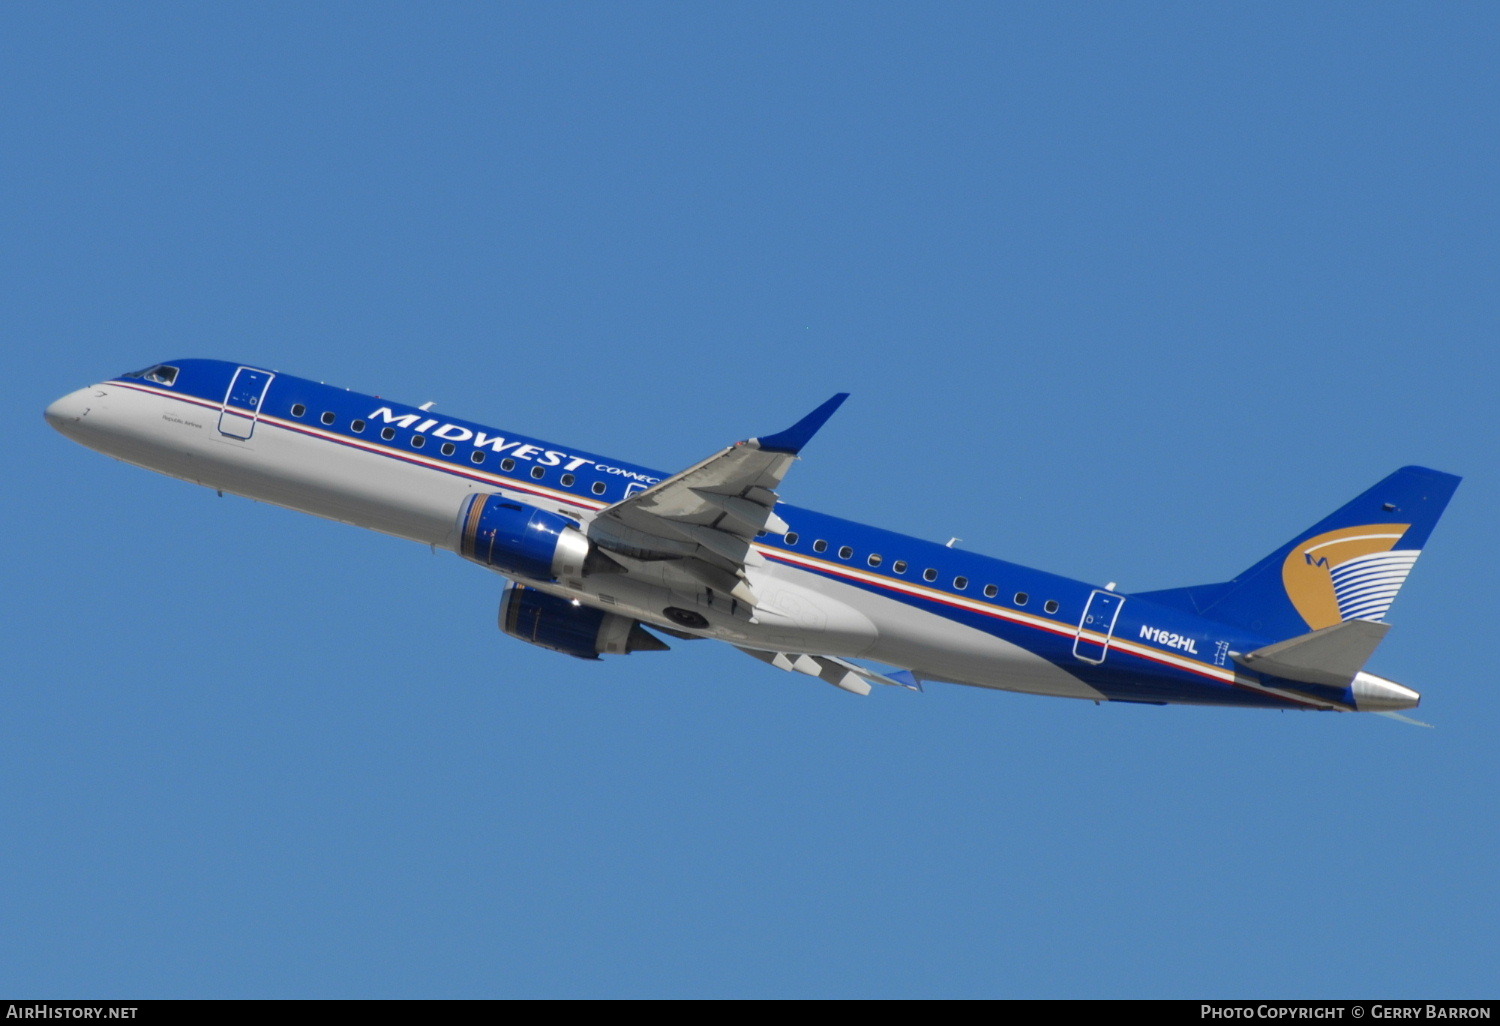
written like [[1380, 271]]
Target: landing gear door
[[1097, 626], [242, 402]]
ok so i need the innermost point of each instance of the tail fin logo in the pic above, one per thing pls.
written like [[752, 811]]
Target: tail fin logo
[[1349, 574]]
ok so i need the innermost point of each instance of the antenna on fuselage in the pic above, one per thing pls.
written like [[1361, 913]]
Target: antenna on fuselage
[[427, 405], [951, 541]]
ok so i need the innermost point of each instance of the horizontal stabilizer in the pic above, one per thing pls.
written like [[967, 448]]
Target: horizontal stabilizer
[[1392, 714], [1331, 656]]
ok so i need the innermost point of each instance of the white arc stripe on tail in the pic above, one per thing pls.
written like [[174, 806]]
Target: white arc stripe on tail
[[1366, 586]]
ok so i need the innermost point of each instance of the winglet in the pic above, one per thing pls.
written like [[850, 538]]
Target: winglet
[[799, 434]]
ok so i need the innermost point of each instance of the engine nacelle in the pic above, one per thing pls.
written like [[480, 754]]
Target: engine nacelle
[[518, 539], [578, 630]]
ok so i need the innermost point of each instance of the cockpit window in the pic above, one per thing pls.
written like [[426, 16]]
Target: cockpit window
[[161, 374]]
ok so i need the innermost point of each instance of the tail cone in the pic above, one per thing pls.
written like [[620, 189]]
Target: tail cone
[[1376, 694]]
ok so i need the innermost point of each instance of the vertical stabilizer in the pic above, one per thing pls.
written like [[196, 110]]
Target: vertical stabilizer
[[1348, 566]]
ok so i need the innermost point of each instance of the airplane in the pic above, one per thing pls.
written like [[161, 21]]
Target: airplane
[[606, 557]]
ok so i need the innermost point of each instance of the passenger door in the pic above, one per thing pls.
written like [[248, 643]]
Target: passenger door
[[1097, 626]]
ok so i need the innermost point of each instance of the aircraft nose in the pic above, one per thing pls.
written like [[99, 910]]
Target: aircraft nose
[[65, 413]]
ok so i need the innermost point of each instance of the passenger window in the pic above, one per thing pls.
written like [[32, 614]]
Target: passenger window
[[567, 480], [417, 441], [298, 409], [960, 583], [598, 488], [820, 545], [875, 559], [357, 426], [898, 567], [929, 574], [328, 418], [507, 464], [845, 552], [1051, 606], [1022, 598], [990, 591], [387, 433], [791, 537], [449, 449], [477, 457], [538, 473]]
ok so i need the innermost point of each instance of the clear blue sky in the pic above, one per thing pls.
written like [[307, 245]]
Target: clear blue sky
[[1130, 292]]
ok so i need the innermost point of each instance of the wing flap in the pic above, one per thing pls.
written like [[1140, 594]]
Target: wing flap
[[746, 512], [841, 673]]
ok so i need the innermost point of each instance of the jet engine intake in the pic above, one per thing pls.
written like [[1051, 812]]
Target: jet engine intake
[[515, 538]]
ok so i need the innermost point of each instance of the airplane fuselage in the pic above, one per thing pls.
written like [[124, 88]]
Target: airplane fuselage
[[825, 585]]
